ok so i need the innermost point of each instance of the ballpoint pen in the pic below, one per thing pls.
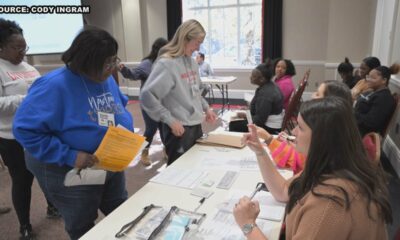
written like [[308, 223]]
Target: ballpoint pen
[[287, 137], [258, 188], [201, 203], [78, 172]]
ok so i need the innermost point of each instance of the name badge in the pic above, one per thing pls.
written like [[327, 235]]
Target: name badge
[[105, 119]]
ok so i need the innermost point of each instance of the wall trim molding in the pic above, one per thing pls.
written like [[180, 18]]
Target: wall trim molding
[[395, 80], [233, 93]]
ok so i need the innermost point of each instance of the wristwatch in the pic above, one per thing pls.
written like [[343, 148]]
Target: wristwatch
[[248, 227]]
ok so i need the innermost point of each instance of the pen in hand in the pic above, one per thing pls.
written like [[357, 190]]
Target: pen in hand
[[258, 188], [287, 137]]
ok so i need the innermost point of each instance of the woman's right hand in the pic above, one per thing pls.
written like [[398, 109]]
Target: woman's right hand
[[252, 140], [177, 128], [246, 211], [85, 160]]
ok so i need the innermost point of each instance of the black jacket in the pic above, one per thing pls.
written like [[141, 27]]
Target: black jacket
[[268, 100], [373, 111]]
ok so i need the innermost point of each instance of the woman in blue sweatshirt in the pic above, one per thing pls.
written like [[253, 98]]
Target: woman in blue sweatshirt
[[62, 121]]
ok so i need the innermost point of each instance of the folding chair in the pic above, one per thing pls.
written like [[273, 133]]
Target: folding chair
[[290, 119], [393, 116]]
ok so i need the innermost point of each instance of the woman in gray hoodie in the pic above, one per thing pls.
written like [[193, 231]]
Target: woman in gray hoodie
[[172, 93]]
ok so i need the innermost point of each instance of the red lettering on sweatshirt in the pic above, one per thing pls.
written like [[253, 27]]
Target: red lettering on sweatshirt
[[22, 75]]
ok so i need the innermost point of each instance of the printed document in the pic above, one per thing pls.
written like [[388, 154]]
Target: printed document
[[183, 178], [118, 148]]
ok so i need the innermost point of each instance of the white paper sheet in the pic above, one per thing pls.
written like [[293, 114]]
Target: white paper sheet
[[270, 209], [180, 177], [220, 162], [85, 177], [222, 226]]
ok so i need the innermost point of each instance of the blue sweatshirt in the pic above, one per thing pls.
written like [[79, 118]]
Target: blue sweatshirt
[[58, 117]]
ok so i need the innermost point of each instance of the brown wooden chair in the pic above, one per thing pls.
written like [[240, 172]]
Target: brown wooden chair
[[392, 118], [290, 119]]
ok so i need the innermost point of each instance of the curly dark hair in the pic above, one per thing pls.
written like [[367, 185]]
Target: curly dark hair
[[290, 69], [89, 50], [8, 28]]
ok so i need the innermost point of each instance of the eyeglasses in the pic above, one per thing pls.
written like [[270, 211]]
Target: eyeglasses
[[20, 49], [114, 63]]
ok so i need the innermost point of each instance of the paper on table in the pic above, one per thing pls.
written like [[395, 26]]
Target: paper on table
[[180, 177], [220, 162], [118, 148], [222, 225], [270, 209]]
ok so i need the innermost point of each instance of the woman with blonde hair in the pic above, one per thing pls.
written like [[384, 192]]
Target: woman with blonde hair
[[172, 93]]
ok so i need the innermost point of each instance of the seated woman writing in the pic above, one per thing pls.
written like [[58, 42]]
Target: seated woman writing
[[266, 105], [339, 195]]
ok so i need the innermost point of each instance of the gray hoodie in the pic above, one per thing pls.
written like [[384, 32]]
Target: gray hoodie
[[172, 92]]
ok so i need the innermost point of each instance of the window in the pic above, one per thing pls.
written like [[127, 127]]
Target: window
[[233, 30]]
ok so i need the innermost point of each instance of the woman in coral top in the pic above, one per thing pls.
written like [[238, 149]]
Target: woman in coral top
[[284, 71]]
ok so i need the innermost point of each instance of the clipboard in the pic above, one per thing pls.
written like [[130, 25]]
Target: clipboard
[[226, 139]]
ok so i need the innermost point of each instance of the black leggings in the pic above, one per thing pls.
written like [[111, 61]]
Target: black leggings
[[177, 146], [12, 154]]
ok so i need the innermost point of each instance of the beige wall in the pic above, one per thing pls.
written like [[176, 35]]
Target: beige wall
[[319, 34], [316, 34]]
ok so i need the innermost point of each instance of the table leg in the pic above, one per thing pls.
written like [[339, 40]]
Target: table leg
[[222, 91], [227, 96]]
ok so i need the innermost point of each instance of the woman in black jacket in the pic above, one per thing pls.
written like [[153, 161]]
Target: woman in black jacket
[[266, 105]]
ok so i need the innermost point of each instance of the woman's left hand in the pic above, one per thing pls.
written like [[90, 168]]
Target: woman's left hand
[[210, 116], [246, 211]]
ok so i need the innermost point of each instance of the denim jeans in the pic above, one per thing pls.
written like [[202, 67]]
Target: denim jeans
[[78, 205]]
